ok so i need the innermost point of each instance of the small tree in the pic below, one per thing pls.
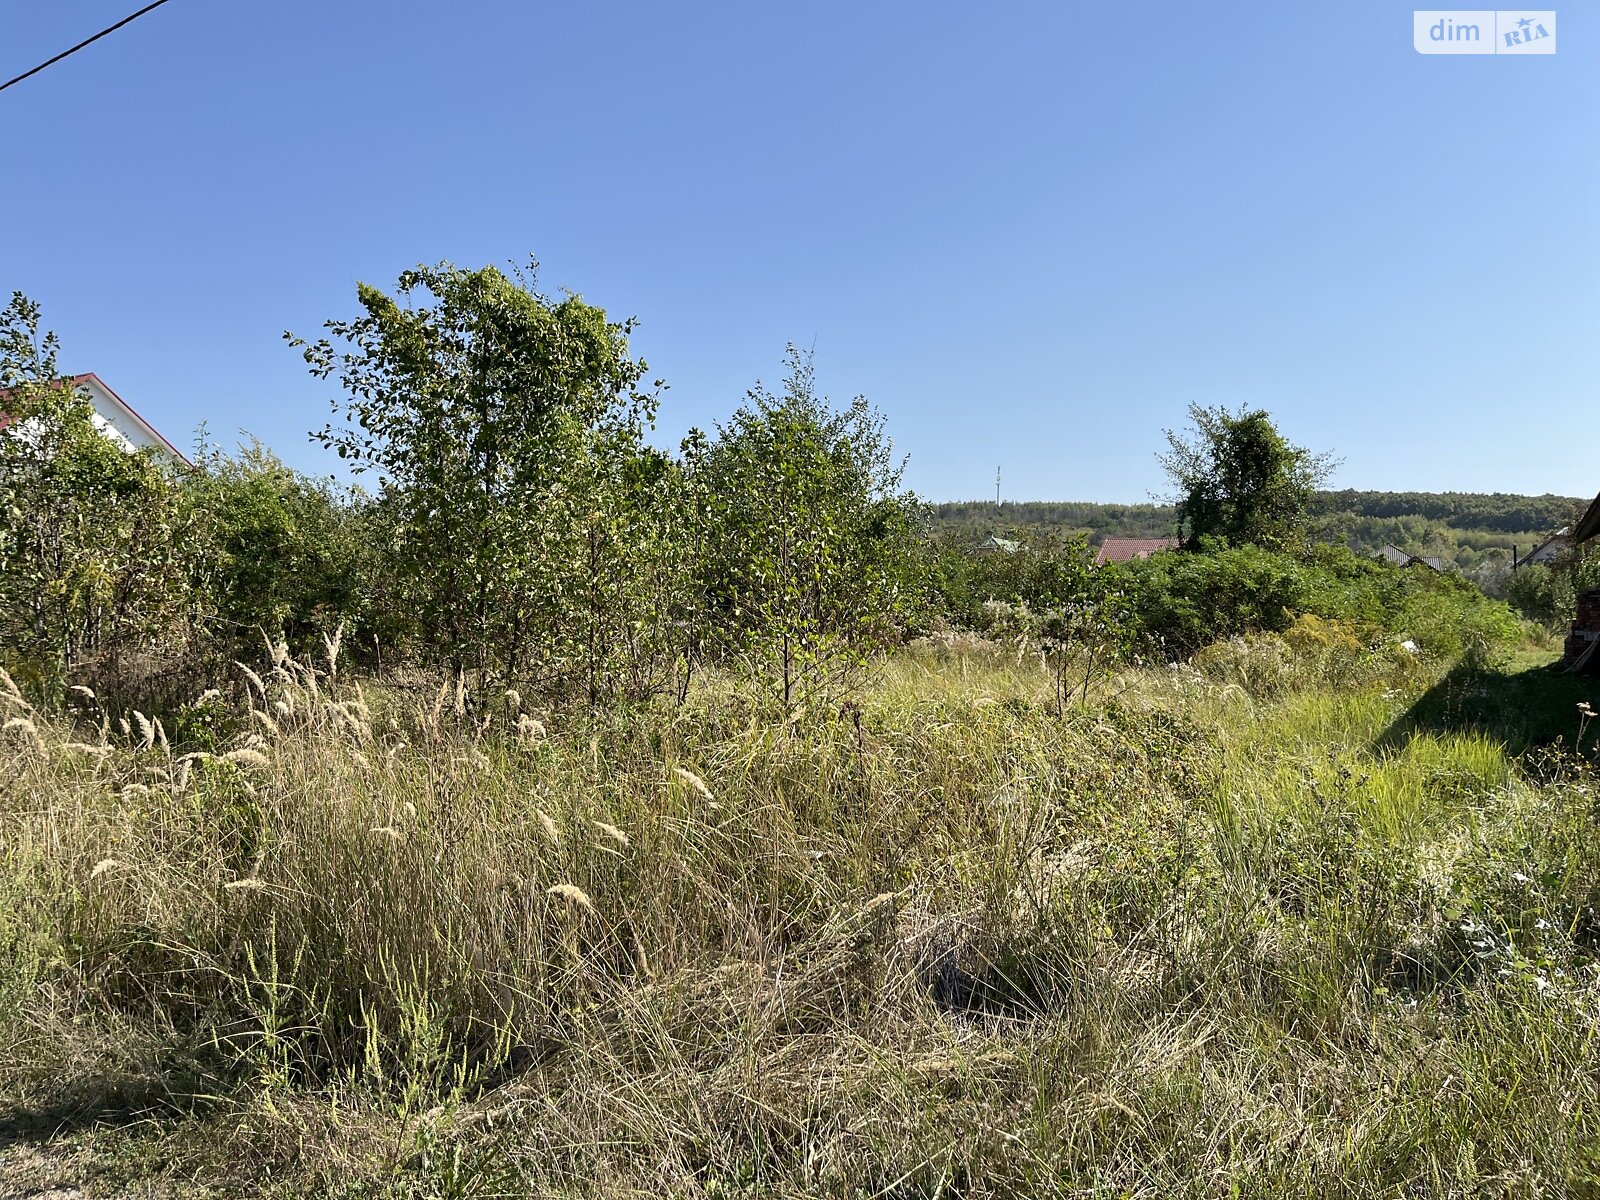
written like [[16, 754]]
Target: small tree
[[812, 554], [1239, 479], [506, 430], [1087, 639]]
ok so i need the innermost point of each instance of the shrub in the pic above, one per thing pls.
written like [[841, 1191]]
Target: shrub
[[274, 550]]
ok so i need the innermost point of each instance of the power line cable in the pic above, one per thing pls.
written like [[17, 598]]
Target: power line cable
[[86, 41]]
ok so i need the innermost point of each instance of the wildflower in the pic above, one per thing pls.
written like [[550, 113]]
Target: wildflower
[[1585, 708], [1520, 877]]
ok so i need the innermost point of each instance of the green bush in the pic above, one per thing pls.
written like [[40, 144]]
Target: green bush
[[277, 551], [1185, 600]]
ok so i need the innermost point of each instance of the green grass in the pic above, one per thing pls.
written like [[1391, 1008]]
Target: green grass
[[1282, 930]]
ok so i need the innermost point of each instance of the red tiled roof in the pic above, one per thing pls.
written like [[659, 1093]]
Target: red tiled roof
[[1128, 549]]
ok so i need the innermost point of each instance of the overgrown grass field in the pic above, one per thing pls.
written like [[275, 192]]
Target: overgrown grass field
[[1267, 925]]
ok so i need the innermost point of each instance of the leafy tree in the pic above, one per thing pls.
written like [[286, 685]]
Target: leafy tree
[[1238, 478], [505, 428], [90, 567], [813, 548]]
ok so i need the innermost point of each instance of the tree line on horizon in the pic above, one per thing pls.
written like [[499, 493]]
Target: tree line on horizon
[[1470, 530]]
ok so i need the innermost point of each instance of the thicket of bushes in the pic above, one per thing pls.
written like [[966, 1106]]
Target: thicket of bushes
[[521, 532], [1173, 604]]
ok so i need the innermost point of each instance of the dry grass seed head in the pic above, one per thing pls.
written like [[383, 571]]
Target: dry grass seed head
[[612, 832], [255, 680], [694, 781], [573, 893], [23, 726], [331, 644]]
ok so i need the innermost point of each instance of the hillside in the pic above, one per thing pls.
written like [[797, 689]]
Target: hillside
[[1470, 529]]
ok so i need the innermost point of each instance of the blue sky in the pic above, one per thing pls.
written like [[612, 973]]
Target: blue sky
[[1031, 233]]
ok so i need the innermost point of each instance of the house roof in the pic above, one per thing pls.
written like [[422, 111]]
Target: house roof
[[1128, 549], [999, 543], [1394, 554], [1404, 558], [1588, 524], [124, 410], [1559, 540]]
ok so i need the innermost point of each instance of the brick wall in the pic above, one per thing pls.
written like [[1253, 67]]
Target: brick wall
[[1585, 625]]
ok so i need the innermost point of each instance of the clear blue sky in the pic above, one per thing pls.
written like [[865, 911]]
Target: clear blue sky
[[1031, 233]]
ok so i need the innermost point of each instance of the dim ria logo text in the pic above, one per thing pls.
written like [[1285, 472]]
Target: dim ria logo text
[[1483, 31]]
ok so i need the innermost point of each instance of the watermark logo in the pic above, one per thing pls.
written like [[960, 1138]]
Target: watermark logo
[[1484, 31]]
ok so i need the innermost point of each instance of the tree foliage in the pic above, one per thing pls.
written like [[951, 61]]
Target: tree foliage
[[1238, 478], [89, 567], [813, 547], [275, 552], [505, 428]]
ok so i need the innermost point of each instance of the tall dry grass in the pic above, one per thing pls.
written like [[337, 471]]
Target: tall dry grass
[[1204, 937]]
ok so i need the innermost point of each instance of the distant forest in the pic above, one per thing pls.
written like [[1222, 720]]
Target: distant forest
[[1472, 530]]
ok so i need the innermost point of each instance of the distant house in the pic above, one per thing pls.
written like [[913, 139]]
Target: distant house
[[998, 545], [1394, 555], [1116, 550], [116, 419], [1551, 548], [1404, 558]]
